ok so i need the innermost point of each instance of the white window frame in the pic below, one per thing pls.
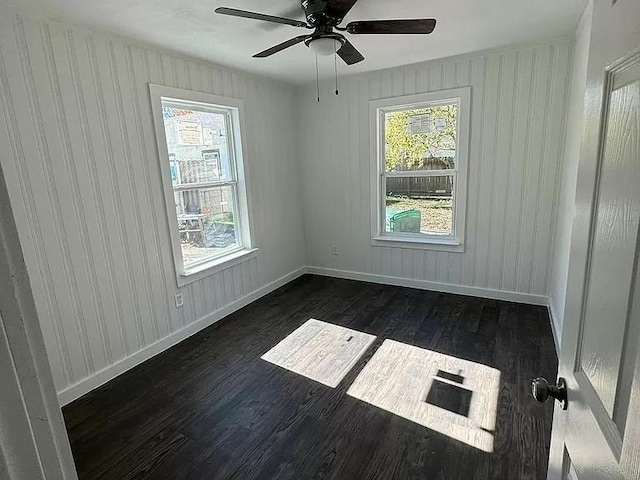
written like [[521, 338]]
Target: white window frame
[[234, 108], [377, 111]]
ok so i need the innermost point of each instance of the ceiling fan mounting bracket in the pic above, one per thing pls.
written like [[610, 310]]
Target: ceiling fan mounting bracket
[[324, 30]]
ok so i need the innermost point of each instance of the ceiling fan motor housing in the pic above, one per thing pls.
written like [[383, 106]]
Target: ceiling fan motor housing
[[314, 11]]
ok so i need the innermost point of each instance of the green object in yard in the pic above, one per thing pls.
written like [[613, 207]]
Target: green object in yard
[[405, 222]]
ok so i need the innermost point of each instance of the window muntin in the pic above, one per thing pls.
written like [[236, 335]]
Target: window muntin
[[419, 190]]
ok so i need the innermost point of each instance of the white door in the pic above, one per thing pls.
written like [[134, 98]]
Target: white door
[[598, 436]]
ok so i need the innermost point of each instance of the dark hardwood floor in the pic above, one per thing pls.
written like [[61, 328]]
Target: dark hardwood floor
[[210, 408]]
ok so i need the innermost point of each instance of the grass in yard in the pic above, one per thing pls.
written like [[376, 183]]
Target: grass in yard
[[436, 214]]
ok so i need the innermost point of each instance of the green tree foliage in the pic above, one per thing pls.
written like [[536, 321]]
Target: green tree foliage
[[405, 150]]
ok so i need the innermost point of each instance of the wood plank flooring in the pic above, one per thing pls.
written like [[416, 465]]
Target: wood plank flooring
[[211, 408]]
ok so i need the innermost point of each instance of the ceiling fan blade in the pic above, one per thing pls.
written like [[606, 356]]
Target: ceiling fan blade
[[349, 54], [289, 43], [295, 13], [420, 26], [260, 16], [339, 8]]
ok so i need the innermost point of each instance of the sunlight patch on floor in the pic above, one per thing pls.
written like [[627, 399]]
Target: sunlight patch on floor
[[321, 351], [455, 397]]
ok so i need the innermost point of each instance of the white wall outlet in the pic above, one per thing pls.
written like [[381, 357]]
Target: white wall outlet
[[334, 250], [179, 299]]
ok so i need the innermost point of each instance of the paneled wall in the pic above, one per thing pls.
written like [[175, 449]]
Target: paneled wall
[[79, 154], [566, 202], [519, 104]]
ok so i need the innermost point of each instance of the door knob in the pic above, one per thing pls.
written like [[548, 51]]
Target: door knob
[[541, 391]]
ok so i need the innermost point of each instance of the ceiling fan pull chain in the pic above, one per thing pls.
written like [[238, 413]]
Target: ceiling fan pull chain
[[317, 80], [335, 68]]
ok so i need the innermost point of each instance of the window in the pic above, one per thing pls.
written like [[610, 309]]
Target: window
[[419, 179], [200, 153]]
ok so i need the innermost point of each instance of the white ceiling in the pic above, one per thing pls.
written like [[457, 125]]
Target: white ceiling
[[191, 27]]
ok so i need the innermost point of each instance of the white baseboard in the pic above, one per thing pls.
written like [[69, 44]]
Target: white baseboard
[[435, 286], [103, 376], [555, 328]]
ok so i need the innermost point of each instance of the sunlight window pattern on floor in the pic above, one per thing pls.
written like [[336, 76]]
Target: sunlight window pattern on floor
[[424, 387], [321, 351]]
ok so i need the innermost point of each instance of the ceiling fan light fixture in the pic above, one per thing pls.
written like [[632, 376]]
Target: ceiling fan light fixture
[[325, 46]]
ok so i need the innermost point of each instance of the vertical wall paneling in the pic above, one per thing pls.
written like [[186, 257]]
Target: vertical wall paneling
[[516, 179], [533, 165], [508, 190], [519, 100], [78, 177], [60, 359], [491, 101], [499, 183], [85, 183], [566, 188], [550, 176]]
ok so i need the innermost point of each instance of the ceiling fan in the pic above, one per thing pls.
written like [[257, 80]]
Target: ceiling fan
[[324, 17]]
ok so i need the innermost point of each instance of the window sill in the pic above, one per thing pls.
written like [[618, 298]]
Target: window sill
[[444, 244], [216, 265]]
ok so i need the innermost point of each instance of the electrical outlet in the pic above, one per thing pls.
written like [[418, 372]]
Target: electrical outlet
[[334, 250], [179, 299]]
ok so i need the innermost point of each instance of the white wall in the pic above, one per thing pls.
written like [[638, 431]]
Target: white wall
[[519, 103], [79, 154], [571, 157]]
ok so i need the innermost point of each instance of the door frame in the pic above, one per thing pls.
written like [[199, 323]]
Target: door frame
[[594, 129], [33, 440]]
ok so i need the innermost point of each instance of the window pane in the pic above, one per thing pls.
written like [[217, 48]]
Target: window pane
[[206, 222], [419, 205], [421, 138], [198, 144]]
